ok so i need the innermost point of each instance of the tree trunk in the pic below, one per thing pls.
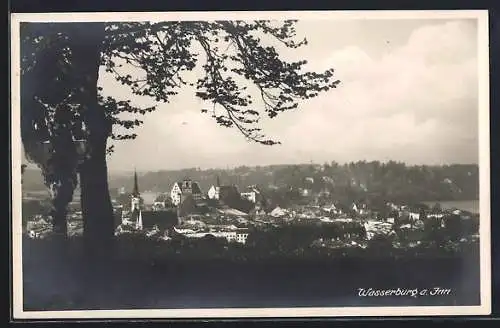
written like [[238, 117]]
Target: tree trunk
[[63, 196], [96, 204]]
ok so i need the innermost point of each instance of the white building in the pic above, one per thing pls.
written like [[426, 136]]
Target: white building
[[213, 192], [251, 196], [184, 188], [229, 235], [241, 237], [414, 216]]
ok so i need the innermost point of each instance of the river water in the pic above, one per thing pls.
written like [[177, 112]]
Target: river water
[[464, 205]]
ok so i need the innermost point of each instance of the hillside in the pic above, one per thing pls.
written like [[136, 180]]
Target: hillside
[[390, 181]]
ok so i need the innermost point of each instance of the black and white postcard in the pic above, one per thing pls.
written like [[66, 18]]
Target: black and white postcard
[[250, 164]]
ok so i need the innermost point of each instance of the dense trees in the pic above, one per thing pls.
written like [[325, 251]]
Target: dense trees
[[60, 69], [383, 181]]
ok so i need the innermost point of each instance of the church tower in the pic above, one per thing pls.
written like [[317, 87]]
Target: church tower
[[135, 203], [136, 196], [135, 192]]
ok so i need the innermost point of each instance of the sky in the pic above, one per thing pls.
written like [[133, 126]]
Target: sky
[[408, 92]]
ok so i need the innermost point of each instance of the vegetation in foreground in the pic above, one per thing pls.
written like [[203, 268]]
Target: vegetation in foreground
[[209, 273]]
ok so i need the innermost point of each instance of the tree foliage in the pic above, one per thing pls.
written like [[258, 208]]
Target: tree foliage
[[163, 52]]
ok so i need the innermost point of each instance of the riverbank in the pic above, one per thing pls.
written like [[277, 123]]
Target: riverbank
[[471, 206]]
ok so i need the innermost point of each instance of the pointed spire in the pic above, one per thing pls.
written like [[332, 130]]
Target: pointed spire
[[136, 184]]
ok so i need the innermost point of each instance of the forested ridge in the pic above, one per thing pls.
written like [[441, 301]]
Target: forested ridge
[[391, 180]]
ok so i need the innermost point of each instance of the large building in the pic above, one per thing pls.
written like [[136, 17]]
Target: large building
[[230, 196], [185, 188], [223, 193], [142, 219]]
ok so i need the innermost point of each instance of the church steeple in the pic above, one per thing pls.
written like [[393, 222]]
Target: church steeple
[[135, 192]]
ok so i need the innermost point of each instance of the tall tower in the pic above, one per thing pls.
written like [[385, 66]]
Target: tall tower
[[135, 192], [135, 197]]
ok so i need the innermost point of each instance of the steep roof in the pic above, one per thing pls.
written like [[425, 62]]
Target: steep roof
[[135, 192], [162, 219], [228, 191]]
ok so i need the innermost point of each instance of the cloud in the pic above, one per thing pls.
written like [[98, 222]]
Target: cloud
[[422, 95], [416, 102]]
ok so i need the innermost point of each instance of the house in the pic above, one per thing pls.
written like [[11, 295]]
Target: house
[[223, 193], [183, 189], [414, 216], [252, 194], [238, 235], [359, 208], [230, 196], [162, 202], [241, 236], [354, 207], [331, 209], [213, 192]]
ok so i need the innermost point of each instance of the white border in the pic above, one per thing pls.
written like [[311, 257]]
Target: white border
[[484, 167]]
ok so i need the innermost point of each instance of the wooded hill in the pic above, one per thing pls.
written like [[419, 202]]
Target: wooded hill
[[391, 181]]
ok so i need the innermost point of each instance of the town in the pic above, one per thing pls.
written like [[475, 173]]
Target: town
[[246, 217]]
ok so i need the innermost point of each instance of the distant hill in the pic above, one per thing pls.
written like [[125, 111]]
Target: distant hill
[[391, 181], [33, 180]]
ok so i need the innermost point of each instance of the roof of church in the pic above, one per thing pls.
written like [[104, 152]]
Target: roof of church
[[187, 206], [162, 219]]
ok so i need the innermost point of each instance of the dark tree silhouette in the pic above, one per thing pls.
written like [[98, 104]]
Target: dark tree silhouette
[[61, 62]]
